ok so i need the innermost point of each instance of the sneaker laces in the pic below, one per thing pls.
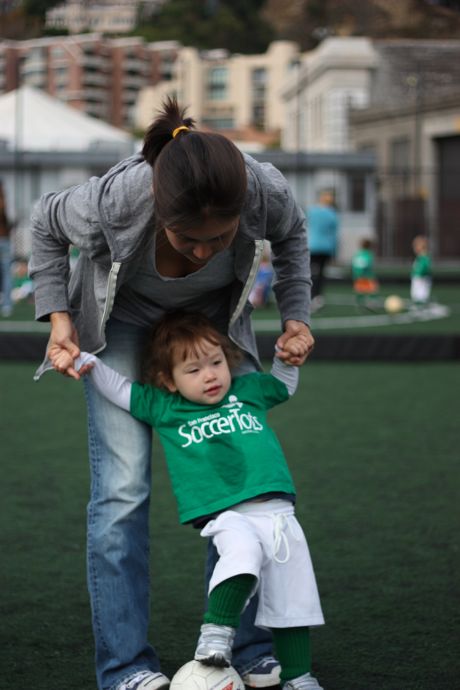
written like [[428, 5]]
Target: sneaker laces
[[280, 521], [132, 682], [267, 661]]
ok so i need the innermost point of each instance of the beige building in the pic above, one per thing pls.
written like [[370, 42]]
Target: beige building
[[240, 94], [325, 84]]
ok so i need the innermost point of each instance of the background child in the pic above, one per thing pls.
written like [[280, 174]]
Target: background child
[[261, 292], [365, 285], [420, 289], [231, 480]]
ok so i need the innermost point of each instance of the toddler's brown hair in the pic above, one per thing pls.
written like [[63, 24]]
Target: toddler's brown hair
[[178, 335]]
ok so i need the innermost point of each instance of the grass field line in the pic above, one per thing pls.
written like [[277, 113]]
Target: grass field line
[[24, 327], [430, 313]]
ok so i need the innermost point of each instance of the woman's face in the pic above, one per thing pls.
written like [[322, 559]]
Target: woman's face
[[200, 244]]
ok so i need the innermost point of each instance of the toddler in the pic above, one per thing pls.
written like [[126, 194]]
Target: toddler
[[420, 289], [231, 480]]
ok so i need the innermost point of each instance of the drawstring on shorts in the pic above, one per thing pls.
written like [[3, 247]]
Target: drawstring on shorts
[[280, 522]]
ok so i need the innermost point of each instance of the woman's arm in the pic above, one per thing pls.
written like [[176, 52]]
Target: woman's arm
[[112, 385], [287, 232]]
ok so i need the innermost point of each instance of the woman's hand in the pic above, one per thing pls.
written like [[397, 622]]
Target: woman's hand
[[295, 344], [63, 346]]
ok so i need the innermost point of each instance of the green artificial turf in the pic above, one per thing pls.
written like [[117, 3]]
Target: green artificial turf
[[374, 452]]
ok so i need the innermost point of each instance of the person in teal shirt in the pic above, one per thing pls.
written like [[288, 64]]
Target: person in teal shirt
[[322, 230], [231, 480]]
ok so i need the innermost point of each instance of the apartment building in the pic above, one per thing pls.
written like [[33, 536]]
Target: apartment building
[[99, 76], [237, 94], [124, 80]]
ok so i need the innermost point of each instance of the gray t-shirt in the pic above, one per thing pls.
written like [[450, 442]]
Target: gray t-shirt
[[148, 295]]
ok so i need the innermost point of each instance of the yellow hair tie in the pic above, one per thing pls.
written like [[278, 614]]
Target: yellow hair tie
[[182, 128]]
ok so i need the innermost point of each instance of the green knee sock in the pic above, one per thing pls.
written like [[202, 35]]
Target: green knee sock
[[292, 646], [227, 600]]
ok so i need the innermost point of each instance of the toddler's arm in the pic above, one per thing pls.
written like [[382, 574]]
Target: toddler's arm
[[110, 383], [286, 373]]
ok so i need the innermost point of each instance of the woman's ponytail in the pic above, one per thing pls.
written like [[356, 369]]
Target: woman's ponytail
[[170, 120]]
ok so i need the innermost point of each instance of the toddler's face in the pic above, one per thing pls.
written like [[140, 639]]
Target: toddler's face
[[203, 377]]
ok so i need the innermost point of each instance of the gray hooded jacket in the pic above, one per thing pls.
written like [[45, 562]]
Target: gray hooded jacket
[[110, 218]]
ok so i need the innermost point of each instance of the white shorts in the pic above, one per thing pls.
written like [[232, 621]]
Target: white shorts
[[265, 539], [420, 289]]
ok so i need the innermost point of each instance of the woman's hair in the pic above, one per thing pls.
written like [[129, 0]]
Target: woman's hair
[[196, 175], [177, 336]]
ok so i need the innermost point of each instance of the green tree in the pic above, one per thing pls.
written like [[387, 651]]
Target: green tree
[[231, 24], [39, 8]]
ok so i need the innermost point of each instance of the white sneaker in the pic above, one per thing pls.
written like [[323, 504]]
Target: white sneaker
[[214, 646], [305, 682], [145, 680]]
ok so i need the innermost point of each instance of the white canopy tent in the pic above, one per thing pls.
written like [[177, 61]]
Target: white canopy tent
[[46, 146], [31, 120]]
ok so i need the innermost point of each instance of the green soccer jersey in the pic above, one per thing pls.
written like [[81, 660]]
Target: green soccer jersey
[[421, 268], [362, 264], [218, 455]]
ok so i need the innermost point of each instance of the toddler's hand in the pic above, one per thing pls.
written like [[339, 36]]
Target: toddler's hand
[[295, 344]]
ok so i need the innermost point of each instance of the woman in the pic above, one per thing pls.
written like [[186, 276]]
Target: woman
[[194, 243]]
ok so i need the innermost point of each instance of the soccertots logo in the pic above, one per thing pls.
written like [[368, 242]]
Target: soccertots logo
[[230, 421]]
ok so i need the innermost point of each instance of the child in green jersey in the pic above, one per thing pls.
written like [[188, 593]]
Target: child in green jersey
[[365, 285], [420, 289], [230, 479]]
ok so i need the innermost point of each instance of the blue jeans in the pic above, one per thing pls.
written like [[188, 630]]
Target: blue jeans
[[118, 529]]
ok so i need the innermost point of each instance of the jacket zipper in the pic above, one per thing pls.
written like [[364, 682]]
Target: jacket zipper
[[110, 294], [259, 247]]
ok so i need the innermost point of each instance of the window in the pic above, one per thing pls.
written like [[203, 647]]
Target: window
[[258, 93], [217, 83], [219, 122], [400, 154], [356, 192]]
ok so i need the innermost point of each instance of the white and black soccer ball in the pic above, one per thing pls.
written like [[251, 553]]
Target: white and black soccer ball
[[196, 676]]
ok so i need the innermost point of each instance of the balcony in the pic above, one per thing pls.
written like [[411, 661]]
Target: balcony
[[97, 110], [134, 64], [93, 95], [129, 97], [38, 80], [134, 82], [96, 62], [93, 79]]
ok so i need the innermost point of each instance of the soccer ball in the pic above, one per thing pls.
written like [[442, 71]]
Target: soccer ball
[[196, 676], [393, 304]]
